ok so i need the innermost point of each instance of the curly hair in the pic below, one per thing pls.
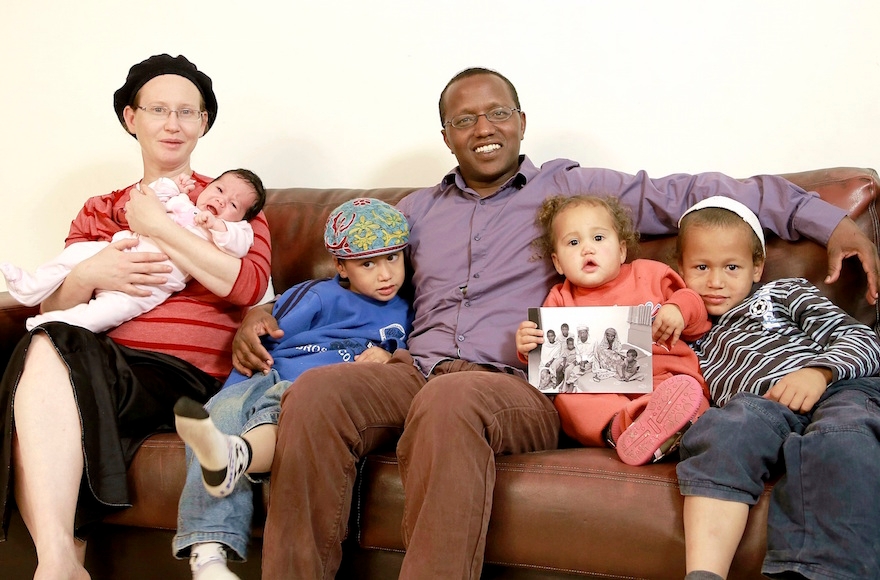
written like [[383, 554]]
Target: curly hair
[[556, 204]]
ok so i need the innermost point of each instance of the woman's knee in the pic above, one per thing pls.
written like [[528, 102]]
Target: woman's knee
[[40, 350], [42, 362]]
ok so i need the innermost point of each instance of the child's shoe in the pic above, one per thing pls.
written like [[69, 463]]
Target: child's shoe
[[208, 562], [612, 431], [673, 405], [223, 458]]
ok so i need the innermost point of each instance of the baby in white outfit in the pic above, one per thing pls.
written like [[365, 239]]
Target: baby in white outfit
[[217, 216]]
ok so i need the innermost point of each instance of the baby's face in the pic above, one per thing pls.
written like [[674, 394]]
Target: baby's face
[[228, 197]]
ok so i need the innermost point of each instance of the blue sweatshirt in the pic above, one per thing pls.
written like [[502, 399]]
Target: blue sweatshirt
[[324, 323]]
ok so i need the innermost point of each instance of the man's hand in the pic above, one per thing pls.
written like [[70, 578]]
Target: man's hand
[[528, 337], [375, 354], [248, 352], [800, 389], [848, 240]]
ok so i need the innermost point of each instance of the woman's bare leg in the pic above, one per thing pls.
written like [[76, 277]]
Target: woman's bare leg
[[48, 461]]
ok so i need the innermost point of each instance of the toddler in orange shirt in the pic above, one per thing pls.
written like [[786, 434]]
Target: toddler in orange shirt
[[588, 238]]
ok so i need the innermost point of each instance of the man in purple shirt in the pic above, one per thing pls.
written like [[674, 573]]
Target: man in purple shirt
[[460, 389]]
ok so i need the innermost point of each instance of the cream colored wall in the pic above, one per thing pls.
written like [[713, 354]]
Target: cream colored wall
[[345, 93]]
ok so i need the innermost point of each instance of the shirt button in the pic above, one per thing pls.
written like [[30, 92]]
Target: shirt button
[[476, 275], [460, 338], [477, 237], [467, 303], [482, 202]]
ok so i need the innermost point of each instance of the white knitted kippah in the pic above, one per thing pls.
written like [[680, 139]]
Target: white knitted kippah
[[736, 207]]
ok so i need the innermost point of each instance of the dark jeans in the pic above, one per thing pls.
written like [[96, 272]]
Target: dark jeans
[[824, 518]]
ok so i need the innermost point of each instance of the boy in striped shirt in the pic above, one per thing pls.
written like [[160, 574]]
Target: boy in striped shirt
[[792, 379]]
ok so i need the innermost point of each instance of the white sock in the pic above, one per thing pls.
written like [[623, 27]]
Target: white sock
[[224, 458], [195, 427], [208, 562]]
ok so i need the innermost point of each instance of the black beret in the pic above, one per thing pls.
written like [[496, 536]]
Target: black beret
[[164, 64]]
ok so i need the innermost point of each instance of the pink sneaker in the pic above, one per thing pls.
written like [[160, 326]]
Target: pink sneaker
[[674, 403]]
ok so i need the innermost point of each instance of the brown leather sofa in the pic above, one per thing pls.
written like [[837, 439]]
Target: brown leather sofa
[[566, 513]]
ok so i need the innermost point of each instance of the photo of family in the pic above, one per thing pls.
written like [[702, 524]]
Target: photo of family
[[592, 349]]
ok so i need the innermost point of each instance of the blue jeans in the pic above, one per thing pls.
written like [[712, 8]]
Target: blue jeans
[[203, 518], [824, 516]]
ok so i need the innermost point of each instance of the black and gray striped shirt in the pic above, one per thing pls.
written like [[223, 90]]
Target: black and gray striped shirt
[[781, 327]]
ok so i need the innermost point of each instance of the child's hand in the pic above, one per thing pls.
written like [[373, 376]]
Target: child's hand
[[374, 354], [800, 389], [185, 183], [207, 220], [668, 324], [528, 337]]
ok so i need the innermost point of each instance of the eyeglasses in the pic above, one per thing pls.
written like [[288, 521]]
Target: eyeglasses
[[188, 115], [495, 116]]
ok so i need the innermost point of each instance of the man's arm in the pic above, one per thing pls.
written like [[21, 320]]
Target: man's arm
[[785, 209]]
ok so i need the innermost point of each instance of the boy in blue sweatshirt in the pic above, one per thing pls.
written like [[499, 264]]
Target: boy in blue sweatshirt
[[353, 317]]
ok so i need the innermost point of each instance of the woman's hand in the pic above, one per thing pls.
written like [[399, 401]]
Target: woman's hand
[[203, 260], [248, 352], [110, 269], [115, 269], [145, 213], [528, 337]]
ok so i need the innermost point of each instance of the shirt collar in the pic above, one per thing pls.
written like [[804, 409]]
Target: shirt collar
[[526, 172]]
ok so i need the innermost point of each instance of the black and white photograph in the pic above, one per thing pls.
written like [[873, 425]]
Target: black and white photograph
[[592, 349]]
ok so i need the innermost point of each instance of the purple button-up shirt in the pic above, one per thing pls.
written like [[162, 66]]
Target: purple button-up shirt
[[476, 272]]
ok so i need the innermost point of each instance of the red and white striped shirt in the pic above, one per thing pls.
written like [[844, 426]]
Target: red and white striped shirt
[[193, 324]]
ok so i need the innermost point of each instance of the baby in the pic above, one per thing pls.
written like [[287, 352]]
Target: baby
[[220, 214], [628, 368], [587, 239]]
